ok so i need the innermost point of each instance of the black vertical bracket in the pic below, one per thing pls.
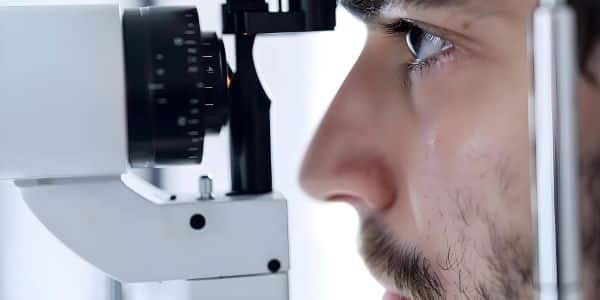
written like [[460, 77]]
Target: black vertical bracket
[[250, 125]]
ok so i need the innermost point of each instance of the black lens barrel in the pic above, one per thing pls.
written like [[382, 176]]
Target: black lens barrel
[[176, 85]]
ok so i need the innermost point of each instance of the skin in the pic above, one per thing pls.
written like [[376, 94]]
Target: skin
[[438, 157]]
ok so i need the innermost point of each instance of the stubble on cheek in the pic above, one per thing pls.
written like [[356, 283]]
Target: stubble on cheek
[[485, 256], [590, 208]]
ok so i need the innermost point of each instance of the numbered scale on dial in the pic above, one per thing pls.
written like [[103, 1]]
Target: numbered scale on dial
[[176, 85]]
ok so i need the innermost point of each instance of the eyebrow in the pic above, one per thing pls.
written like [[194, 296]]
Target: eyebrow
[[371, 9]]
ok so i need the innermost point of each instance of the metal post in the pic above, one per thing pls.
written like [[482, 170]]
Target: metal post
[[116, 290], [556, 153]]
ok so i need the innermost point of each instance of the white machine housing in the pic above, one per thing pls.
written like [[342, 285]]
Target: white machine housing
[[62, 85], [63, 129]]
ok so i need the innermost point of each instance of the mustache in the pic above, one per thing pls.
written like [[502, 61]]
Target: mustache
[[404, 265]]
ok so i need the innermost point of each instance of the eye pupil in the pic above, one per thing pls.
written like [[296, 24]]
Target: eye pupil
[[413, 39]]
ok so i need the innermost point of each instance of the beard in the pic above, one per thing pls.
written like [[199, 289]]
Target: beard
[[510, 259], [406, 267]]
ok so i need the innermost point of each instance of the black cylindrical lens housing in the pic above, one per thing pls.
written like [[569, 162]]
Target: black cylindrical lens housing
[[176, 85]]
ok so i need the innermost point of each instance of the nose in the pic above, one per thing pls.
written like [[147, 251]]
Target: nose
[[353, 156]]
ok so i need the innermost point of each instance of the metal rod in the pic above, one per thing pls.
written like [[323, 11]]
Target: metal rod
[[555, 167], [116, 290]]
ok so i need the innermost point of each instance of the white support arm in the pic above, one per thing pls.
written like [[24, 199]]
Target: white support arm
[[134, 239]]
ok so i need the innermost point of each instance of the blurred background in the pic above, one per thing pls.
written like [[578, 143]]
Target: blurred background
[[301, 73]]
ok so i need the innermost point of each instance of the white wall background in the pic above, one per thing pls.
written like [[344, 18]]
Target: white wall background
[[301, 73]]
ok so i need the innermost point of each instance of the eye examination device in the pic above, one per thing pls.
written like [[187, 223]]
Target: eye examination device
[[93, 92]]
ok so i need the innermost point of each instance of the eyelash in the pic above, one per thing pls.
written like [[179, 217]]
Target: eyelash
[[424, 65], [403, 28]]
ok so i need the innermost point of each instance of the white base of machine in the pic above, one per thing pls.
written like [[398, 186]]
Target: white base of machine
[[130, 230], [268, 287]]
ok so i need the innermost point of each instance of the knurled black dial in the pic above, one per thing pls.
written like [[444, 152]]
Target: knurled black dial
[[176, 85]]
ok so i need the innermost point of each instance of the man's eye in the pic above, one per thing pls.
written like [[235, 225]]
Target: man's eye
[[425, 45]]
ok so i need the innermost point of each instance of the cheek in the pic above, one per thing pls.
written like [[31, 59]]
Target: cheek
[[589, 110], [473, 142], [468, 178], [468, 157]]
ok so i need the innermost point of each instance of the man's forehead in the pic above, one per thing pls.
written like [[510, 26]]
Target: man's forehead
[[368, 7], [373, 9]]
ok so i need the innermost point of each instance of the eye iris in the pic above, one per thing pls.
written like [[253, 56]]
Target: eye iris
[[423, 44]]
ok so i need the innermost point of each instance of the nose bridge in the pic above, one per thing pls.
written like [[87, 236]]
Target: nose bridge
[[372, 91], [349, 156]]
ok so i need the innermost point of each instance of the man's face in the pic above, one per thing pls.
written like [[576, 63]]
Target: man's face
[[428, 140]]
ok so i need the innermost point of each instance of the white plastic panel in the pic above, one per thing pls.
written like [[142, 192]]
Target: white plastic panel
[[34, 265], [62, 92], [136, 240]]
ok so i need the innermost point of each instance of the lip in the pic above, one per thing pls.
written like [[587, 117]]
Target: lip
[[391, 296], [391, 292]]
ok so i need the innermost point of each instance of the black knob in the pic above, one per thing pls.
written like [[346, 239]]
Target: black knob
[[177, 85]]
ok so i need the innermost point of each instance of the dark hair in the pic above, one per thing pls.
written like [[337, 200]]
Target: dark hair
[[588, 14]]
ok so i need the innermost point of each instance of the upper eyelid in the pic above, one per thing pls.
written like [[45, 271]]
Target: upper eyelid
[[441, 32], [456, 38], [405, 24], [399, 26]]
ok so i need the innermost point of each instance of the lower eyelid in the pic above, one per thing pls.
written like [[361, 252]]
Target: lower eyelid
[[421, 69]]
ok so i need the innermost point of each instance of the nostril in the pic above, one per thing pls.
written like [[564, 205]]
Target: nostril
[[343, 197]]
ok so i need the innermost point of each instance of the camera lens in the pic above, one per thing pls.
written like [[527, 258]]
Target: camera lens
[[177, 85]]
